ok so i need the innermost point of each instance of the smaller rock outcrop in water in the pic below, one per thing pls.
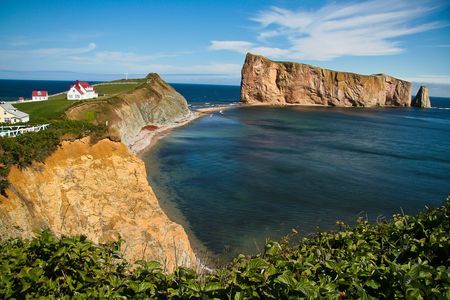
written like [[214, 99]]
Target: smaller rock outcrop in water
[[422, 98], [269, 82]]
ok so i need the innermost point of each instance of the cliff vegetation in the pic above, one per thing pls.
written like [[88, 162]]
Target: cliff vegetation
[[56, 105], [407, 258], [37, 146], [152, 102]]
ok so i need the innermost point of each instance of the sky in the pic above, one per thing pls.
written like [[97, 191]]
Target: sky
[[206, 41]]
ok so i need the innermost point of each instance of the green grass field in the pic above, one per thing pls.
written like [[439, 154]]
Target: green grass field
[[54, 107], [45, 111], [140, 80], [112, 89]]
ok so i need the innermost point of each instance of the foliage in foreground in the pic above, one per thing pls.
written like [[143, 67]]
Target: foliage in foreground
[[37, 146], [405, 258]]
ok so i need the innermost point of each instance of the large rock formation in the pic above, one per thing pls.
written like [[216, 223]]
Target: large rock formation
[[154, 102], [268, 82], [422, 98], [100, 191]]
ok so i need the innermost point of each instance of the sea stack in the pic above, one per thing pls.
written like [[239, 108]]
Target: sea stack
[[278, 83], [422, 98]]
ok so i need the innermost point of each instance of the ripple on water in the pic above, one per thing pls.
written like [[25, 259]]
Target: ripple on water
[[252, 173]]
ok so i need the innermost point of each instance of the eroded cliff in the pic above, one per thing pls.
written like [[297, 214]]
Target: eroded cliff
[[268, 82], [152, 103], [100, 191]]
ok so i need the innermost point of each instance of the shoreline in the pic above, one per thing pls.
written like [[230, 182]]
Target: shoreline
[[143, 142], [148, 137]]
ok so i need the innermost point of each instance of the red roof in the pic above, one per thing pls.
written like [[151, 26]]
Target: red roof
[[39, 93], [79, 84], [84, 84], [77, 87]]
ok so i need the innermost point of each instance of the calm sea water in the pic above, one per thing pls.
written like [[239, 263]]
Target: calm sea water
[[13, 89], [237, 178], [257, 172], [196, 94]]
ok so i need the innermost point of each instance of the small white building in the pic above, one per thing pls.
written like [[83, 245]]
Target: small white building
[[81, 90], [39, 95], [10, 114]]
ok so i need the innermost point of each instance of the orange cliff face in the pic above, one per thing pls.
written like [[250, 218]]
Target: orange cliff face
[[100, 191], [269, 82]]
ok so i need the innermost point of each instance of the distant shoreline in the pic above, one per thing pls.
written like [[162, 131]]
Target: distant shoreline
[[147, 138]]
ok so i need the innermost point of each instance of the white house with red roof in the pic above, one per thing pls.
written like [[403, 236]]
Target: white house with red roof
[[39, 95], [81, 90]]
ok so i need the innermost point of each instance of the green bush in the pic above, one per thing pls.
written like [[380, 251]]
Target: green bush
[[405, 258]]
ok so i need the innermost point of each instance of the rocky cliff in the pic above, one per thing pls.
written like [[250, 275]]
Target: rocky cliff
[[268, 82], [422, 98], [152, 103], [100, 191]]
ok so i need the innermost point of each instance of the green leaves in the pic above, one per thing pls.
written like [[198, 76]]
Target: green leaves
[[406, 258]]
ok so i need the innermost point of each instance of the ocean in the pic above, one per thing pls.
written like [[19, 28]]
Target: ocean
[[242, 175], [236, 178], [197, 94]]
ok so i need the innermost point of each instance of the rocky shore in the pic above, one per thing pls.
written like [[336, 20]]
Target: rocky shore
[[149, 135], [100, 189]]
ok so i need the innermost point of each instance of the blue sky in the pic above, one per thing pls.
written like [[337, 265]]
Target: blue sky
[[206, 41]]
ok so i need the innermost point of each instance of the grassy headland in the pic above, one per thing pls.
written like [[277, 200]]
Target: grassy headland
[[36, 146], [114, 89], [45, 111], [55, 106]]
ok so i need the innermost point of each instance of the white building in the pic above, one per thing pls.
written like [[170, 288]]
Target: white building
[[39, 95], [80, 91], [10, 114]]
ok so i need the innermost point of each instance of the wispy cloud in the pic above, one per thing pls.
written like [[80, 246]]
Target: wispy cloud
[[238, 46], [122, 57], [88, 55], [207, 68], [48, 52], [366, 28], [63, 51], [431, 79]]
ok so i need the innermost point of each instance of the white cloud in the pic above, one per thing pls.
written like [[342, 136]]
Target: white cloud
[[431, 79], [208, 68], [48, 52], [237, 46], [63, 51], [120, 57], [343, 29]]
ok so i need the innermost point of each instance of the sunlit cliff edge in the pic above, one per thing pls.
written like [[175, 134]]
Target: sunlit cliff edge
[[269, 82], [100, 189]]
